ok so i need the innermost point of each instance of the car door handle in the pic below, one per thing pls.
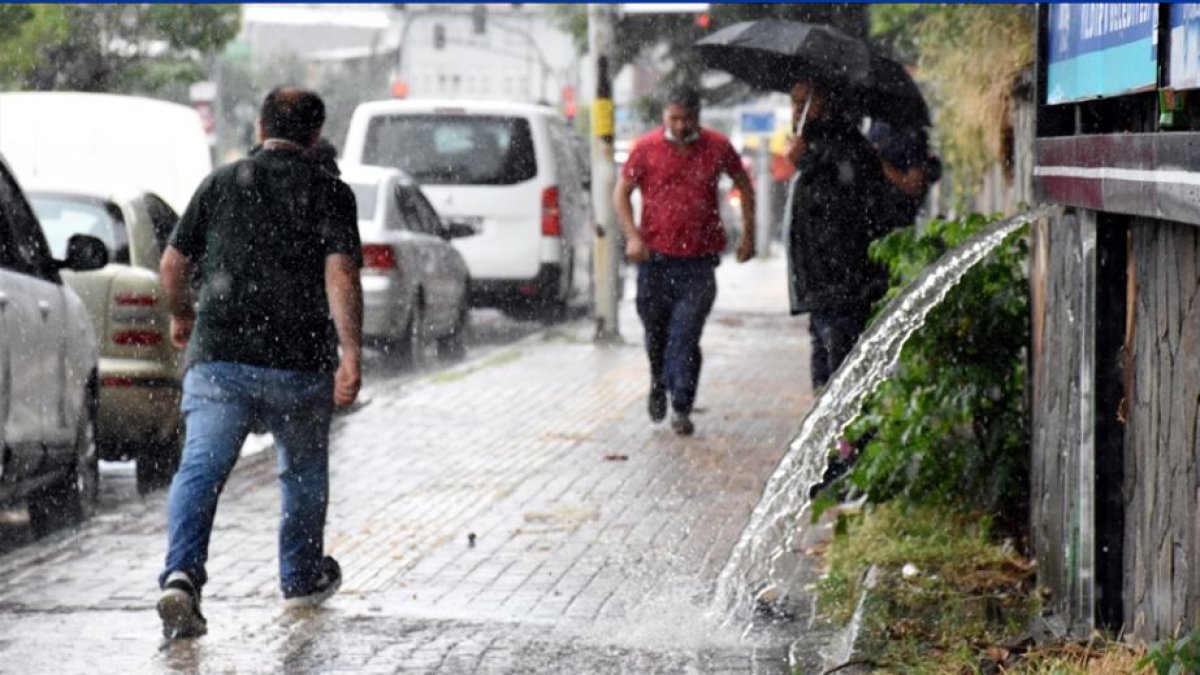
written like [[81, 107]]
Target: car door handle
[[44, 308]]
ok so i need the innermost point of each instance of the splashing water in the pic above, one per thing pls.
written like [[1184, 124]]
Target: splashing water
[[766, 553]]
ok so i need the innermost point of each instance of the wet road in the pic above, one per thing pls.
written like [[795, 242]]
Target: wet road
[[512, 513]]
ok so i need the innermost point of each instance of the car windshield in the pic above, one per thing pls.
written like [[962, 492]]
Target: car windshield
[[367, 197], [63, 216], [449, 149]]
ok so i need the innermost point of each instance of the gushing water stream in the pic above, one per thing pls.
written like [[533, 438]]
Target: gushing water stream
[[766, 554]]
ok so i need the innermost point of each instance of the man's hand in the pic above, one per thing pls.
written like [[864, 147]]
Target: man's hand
[[174, 274], [745, 249], [635, 249], [347, 380], [181, 329], [343, 287]]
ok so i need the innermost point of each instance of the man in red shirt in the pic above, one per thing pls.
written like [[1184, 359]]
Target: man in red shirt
[[679, 244]]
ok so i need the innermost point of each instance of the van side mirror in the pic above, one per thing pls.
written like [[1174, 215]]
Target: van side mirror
[[84, 252]]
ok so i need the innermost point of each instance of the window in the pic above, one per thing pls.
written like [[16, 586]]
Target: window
[[410, 211], [433, 223], [64, 216], [22, 245], [479, 19], [452, 149], [162, 217]]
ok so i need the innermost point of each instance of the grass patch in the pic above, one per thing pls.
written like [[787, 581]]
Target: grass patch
[[944, 588], [491, 361], [950, 601]]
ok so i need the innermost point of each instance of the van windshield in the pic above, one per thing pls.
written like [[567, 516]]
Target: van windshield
[[453, 149]]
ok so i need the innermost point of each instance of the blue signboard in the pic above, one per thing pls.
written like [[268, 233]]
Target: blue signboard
[[758, 122], [1101, 49], [1184, 69]]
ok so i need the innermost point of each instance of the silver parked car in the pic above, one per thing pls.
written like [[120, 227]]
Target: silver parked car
[[140, 372], [414, 281], [48, 368]]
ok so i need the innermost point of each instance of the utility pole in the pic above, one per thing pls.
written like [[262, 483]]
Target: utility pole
[[606, 252], [763, 216]]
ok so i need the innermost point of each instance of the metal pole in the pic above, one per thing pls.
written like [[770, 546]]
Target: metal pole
[[606, 251], [763, 202]]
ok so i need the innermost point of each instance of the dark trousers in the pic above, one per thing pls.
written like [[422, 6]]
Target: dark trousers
[[833, 336], [674, 297]]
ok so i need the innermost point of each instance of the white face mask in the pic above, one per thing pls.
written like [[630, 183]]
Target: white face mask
[[690, 138]]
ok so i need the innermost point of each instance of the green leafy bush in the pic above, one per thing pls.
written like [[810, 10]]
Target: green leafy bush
[[950, 426], [1175, 656]]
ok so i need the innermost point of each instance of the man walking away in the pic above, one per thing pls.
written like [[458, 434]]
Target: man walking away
[[275, 240], [678, 244]]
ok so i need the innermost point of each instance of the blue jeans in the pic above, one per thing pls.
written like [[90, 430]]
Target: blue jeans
[[674, 297], [220, 403]]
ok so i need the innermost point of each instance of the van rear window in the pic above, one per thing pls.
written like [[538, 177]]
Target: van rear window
[[453, 149]]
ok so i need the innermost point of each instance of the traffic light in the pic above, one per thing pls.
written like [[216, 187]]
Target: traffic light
[[703, 20], [439, 36]]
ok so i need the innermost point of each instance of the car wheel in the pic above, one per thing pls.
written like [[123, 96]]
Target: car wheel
[[409, 348], [453, 345], [71, 499], [554, 309], [156, 465]]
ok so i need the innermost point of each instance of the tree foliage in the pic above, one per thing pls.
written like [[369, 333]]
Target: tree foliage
[[130, 48], [677, 32], [970, 57]]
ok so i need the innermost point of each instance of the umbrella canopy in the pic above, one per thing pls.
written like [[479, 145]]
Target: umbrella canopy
[[774, 54], [892, 95]]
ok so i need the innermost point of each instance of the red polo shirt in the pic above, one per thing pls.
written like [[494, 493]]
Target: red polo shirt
[[680, 216]]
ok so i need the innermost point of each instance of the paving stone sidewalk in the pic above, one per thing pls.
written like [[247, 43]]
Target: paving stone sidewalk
[[516, 513]]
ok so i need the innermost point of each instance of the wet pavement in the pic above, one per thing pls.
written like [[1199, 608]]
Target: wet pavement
[[513, 513]]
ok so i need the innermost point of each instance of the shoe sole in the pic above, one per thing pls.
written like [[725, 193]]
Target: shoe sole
[[178, 614], [312, 599]]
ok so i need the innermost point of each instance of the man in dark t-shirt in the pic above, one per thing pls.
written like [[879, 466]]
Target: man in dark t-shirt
[[274, 239], [678, 244]]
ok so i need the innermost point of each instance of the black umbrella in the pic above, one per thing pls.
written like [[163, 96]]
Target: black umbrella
[[775, 54], [892, 95]]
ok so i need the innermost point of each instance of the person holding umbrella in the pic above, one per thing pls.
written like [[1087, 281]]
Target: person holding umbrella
[[678, 244], [841, 198], [837, 209]]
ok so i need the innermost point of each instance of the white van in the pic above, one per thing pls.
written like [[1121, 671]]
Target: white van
[[155, 145], [511, 175]]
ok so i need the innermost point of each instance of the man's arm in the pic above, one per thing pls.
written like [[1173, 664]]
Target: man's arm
[[175, 275], [745, 248], [635, 247], [343, 287]]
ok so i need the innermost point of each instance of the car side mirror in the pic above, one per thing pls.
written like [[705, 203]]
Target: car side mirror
[[458, 231], [84, 252]]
